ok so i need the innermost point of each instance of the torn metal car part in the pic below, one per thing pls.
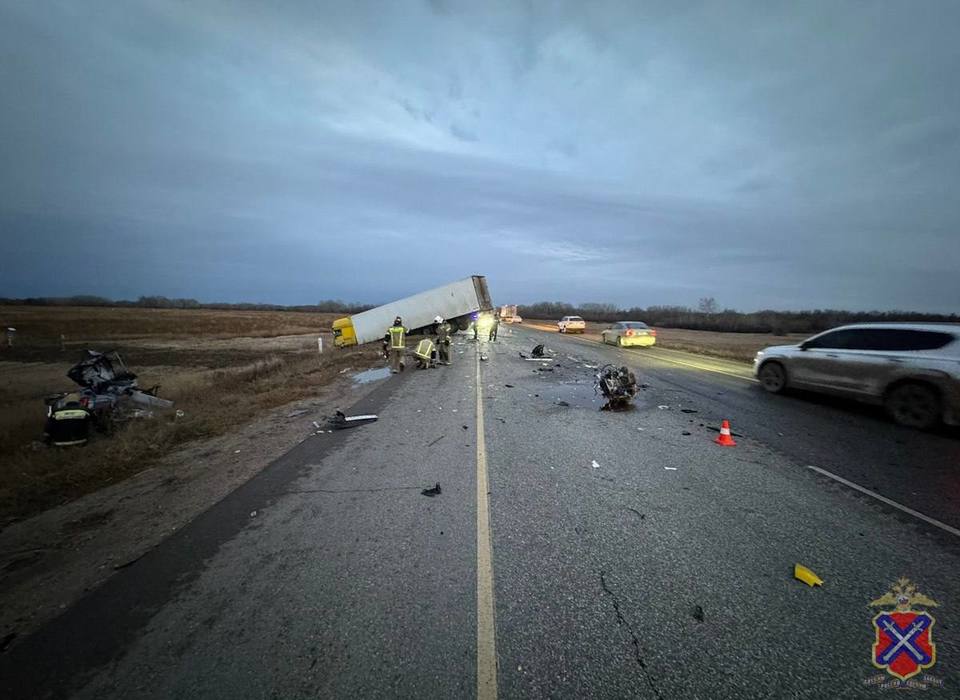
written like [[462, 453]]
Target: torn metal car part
[[341, 421], [99, 370], [109, 396]]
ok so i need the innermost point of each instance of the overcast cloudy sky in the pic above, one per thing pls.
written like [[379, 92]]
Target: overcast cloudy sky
[[769, 154]]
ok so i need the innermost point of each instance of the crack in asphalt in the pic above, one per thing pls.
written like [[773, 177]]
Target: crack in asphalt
[[634, 639]]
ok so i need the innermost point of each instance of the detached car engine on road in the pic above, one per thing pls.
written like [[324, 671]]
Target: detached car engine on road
[[617, 384]]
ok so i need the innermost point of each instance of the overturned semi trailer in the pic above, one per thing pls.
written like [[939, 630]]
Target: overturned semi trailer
[[457, 302]]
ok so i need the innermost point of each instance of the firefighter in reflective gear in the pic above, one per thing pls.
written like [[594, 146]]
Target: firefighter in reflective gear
[[396, 335], [443, 331], [425, 354], [495, 326]]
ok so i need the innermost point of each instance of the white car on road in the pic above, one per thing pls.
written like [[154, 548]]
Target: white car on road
[[912, 369], [571, 324]]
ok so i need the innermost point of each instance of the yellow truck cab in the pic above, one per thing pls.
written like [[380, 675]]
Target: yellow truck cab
[[343, 333]]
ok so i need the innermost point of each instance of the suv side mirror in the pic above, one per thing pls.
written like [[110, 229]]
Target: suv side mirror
[[805, 345]]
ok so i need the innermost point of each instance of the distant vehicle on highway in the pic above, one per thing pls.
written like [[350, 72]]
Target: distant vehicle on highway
[[629, 333], [508, 314], [571, 324], [912, 369]]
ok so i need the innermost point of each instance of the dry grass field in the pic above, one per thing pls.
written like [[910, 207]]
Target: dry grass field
[[221, 368], [733, 346]]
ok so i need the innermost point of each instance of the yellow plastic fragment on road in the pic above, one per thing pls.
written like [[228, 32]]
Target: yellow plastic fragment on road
[[802, 573]]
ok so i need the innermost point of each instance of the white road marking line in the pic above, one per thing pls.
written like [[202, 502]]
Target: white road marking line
[[486, 628], [883, 499]]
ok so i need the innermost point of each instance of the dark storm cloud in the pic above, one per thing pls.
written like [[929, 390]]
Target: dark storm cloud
[[770, 155]]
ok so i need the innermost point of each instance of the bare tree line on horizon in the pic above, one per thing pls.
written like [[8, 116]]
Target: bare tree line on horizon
[[707, 316]]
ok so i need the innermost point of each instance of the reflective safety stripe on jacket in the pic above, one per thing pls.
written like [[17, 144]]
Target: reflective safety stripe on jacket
[[424, 349], [397, 336]]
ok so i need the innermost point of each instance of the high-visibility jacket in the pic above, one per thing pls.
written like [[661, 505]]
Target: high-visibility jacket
[[424, 349], [397, 337]]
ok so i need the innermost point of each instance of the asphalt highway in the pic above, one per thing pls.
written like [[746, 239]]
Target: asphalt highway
[[604, 554]]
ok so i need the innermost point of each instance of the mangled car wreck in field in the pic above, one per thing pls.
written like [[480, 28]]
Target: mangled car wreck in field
[[109, 396]]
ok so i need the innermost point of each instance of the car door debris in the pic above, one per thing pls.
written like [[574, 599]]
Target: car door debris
[[340, 421]]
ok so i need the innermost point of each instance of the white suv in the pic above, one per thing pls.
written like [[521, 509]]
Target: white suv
[[571, 324], [913, 369]]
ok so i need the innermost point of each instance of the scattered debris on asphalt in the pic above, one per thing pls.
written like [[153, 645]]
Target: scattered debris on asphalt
[[544, 369], [594, 464], [563, 403], [688, 410], [670, 469], [636, 512], [537, 351], [431, 444], [297, 413], [509, 386], [253, 514], [435, 491], [685, 432], [697, 613], [663, 407], [341, 421], [466, 428], [802, 573]]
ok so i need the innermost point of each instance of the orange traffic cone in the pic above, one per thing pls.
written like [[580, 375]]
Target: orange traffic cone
[[725, 438]]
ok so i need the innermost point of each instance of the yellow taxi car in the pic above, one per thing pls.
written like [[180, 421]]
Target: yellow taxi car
[[628, 334]]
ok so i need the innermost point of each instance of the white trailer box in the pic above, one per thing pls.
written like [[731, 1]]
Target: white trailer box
[[456, 302]]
